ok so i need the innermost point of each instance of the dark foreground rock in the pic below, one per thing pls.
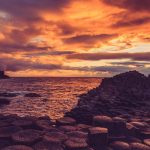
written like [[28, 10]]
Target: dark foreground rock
[[126, 94], [5, 94], [30, 133], [32, 95], [4, 101]]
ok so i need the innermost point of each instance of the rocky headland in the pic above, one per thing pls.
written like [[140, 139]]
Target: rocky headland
[[114, 116], [3, 76], [125, 95]]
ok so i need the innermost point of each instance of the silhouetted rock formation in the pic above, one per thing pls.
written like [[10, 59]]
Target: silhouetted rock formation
[[124, 94], [2, 75]]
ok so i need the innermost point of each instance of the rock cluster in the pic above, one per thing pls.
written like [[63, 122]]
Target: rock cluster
[[126, 94], [104, 133]]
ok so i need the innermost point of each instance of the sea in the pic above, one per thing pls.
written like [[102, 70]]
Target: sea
[[58, 95]]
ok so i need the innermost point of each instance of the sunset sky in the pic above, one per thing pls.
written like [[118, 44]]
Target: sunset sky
[[74, 37]]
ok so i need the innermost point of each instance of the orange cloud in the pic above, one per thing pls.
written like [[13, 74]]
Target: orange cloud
[[46, 32]]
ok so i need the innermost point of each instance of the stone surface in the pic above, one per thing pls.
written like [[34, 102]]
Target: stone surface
[[68, 137], [98, 137], [17, 147], [76, 144], [119, 145], [126, 94], [26, 137], [4, 101], [139, 146], [147, 142], [32, 95], [66, 121]]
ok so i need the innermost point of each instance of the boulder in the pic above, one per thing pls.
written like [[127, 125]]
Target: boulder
[[17, 147], [44, 145], [26, 137], [32, 95], [119, 145], [98, 137], [139, 146], [4, 101]]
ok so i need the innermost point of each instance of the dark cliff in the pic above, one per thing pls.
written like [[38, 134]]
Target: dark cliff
[[124, 94]]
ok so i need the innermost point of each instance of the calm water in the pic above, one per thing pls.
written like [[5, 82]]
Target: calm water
[[58, 95]]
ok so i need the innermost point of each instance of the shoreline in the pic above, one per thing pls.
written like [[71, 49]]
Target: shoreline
[[126, 127]]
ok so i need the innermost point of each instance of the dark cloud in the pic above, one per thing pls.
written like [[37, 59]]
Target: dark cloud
[[88, 39], [11, 64], [145, 56], [52, 53], [14, 65], [17, 47], [30, 9], [133, 63], [130, 23], [23, 35], [133, 5], [110, 69], [66, 29]]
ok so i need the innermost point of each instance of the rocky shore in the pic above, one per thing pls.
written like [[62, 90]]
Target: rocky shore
[[104, 133], [114, 116], [126, 95]]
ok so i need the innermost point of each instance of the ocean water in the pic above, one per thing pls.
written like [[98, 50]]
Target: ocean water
[[58, 95]]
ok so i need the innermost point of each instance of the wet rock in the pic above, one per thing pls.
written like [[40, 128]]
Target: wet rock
[[4, 143], [24, 123], [139, 146], [116, 138], [139, 125], [44, 125], [119, 126], [147, 142], [44, 118], [134, 140], [77, 134], [8, 94], [44, 145], [17, 147], [4, 101], [119, 145], [98, 137], [76, 144], [56, 137], [145, 134], [103, 121], [131, 130], [32, 95], [26, 137], [66, 121], [83, 127], [7, 132], [4, 123], [67, 128]]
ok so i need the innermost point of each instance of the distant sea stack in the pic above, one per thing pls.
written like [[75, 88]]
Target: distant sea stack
[[126, 94], [2, 75]]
